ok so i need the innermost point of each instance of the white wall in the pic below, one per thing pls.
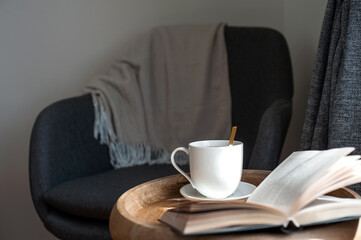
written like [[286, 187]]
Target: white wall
[[49, 49]]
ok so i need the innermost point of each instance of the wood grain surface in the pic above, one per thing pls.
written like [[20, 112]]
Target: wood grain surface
[[135, 215]]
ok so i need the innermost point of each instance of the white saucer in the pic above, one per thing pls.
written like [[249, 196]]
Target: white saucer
[[244, 190]]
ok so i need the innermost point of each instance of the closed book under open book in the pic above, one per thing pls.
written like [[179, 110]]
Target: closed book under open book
[[292, 196]]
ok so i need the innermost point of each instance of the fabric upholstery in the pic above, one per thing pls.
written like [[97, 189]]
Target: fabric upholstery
[[260, 73], [94, 196], [272, 126], [72, 182], [67, 226], [62, 147]]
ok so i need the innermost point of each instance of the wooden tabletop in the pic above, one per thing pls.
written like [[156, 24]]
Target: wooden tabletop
[[135, 215]]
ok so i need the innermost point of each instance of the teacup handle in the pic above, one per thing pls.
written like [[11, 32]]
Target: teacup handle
[[176, 166]]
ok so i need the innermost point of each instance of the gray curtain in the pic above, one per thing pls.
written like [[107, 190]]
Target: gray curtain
[[333, 115]]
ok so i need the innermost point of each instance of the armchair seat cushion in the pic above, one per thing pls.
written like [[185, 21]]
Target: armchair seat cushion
[[94, 196]]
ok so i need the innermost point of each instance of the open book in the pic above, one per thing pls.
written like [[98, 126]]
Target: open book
[[291, 196]]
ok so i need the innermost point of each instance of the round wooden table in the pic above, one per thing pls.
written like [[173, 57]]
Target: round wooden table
[[135, 214]]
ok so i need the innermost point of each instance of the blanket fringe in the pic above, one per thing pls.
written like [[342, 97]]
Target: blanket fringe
[[127, 155]]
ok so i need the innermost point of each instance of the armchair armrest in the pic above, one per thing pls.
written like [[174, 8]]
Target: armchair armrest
[[62, 147], [271, 134]]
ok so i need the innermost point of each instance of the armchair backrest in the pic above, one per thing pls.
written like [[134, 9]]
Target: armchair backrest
[[260, 72], [62, 147]]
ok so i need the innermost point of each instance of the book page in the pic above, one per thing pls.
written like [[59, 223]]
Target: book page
[[208, 206], [203, 221], [345, 172], [328, 209], [284, 186]]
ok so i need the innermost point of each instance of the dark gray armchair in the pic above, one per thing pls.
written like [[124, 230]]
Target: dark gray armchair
[[73, 185]]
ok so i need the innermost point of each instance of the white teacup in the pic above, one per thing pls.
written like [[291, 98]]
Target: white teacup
[[215, 167]]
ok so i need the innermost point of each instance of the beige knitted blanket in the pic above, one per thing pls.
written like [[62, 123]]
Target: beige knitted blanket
[[167, 88]]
